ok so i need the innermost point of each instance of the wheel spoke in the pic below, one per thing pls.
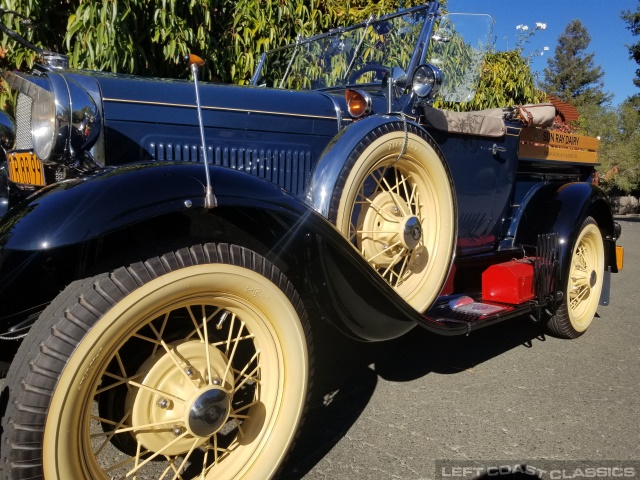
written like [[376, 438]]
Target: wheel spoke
[[158, 392], [173, 356], [162, 327], [579, 280], [206, 347], [379, 186], [404, 183], [121, 381], [196, 325], [147, 426], [381, 252], [186, 458], [204, 463], [170, 467], [246, 379], [228, 343], [394, 198], [122, 369], [405, 262], [139, 454], [581, 258], [109, 435], [155, 342], [242, 417], [233, 351], [381, 212], [159, 452], [138, 450], [414, 189], [354, 229], [393, 263], [578, 296], [248, 405], [223, 342]]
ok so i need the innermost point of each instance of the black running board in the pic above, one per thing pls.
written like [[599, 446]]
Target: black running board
[[465, 319]]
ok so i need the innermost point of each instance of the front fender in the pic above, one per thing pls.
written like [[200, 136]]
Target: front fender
[[83, 209], [67, 231]]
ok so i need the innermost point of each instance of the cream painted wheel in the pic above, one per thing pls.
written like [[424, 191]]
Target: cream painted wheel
[[584, 283], [200, 373], [397, 209]]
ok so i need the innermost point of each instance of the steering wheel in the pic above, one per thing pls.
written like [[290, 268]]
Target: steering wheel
[[381, 70]]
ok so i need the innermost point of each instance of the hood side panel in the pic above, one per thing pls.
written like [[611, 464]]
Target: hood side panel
[[277, 135]]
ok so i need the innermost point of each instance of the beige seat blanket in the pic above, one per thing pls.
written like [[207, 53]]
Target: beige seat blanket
[[489, 123]]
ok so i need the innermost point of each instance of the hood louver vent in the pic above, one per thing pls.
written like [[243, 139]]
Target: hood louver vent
[[289, 169]]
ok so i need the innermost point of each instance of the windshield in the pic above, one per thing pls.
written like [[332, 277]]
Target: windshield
[[458, 46], [363, 54], [357, 55]]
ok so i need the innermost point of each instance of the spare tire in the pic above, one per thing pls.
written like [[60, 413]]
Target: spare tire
[[394, 201]]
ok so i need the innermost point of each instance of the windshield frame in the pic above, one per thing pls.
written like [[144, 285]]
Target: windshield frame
[[432, 11]]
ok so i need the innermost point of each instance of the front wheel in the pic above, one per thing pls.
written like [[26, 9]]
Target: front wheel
[[584, 284], [190, 365]]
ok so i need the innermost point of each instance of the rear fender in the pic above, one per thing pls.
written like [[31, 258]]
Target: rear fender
[[65, 231], [561, 209]]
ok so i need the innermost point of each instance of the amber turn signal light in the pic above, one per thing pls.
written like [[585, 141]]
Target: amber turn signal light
[[358, 102]]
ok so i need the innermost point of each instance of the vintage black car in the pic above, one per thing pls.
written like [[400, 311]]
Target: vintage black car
[[167, 247]]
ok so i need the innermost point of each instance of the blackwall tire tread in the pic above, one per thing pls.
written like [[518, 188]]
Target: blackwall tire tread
[[62, 328]]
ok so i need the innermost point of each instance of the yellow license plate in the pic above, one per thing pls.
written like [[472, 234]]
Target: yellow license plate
[[24, 167]]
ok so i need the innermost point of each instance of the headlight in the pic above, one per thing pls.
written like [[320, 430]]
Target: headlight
[[43, 123], [55, 116], [427, 80]]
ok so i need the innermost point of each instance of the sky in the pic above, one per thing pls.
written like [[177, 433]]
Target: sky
[[601, 18]]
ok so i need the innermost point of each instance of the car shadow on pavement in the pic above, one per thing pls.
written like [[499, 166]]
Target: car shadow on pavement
[[347, 372]]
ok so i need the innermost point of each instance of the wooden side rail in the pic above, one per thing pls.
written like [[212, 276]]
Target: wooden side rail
[[550, 145]]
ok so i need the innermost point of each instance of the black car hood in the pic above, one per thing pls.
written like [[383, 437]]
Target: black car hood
[[158, 100]]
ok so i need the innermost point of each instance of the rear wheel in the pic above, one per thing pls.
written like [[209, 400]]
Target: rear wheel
[[584, 284], [194, 364]]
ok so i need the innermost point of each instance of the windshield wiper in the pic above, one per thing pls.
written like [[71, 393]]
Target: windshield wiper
[[355, 53]]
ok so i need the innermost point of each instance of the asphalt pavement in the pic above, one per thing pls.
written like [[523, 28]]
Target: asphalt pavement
[[507, 395]]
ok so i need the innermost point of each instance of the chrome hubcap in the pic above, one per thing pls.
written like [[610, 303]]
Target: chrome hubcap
[[412, 232], [209, 412]]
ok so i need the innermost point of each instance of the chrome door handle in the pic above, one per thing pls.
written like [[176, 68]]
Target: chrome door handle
[[496, 149]]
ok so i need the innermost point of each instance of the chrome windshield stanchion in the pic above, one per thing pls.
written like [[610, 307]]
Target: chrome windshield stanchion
[[194, 63]]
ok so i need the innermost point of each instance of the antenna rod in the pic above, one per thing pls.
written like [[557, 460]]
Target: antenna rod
[[194, 63]]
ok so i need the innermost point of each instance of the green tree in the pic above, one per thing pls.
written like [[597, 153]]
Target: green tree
[[633, 20], [571, 73], [149, 37], [619, 149], [506, 78]]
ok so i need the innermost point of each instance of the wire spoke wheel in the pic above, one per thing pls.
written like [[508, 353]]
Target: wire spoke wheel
[[584, 283], [397, 209], [198, 374], [585, 277]]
